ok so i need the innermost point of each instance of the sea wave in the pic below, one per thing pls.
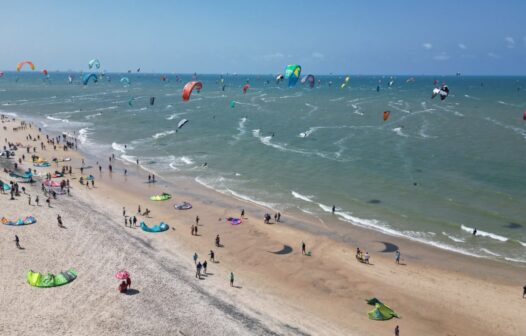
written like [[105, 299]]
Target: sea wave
[[57, 119], [302, 197], [453, 238], [162, 134], [384, 228], [484, 234]]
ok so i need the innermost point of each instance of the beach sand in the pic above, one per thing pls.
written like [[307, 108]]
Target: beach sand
[[435, 292]]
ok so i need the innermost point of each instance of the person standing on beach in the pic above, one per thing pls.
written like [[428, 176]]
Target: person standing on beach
[[124, 211], [126, 221], [29, 199], [397, 331], [36, 200], [196, 220], [59, 221], [218, 241], [195, 230], [303, 247], [279, 216], [397, 256], [195, 257], [212, 257], [204, 266], [198, 270], [17, 242], [128, 282], [134, 221], [231, 279], [242, 213], [139, 209]]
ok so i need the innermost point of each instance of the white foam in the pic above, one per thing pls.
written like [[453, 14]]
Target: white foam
[[302, 197], [106, 108], [162, 134], [453, 238], [490, 252], [83, 135], [187, 160], [398, 130], [119, 147], [515, 260], [91, 116], [384, 228], [484, 234], [517, 130], [57, 119]]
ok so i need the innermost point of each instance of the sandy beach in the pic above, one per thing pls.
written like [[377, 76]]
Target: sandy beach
[[435, 292]]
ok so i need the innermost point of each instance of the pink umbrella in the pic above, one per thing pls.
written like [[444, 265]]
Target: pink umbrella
[[121, 275]]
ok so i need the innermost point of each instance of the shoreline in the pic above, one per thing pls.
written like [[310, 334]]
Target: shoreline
[[330, 300], [327, 221]]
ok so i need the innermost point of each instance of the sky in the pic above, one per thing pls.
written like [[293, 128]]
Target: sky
[[209, 36]]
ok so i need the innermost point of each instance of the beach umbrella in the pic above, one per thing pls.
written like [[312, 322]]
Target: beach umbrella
[[122, 275]]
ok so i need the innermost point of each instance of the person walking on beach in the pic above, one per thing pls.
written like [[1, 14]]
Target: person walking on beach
[[59, 221], [124, 211], [397, 331], [198, 270], [231, 279], [195, 257], [204, 266], [242, 213], [196, 220], [134, 221], [303, 247], [36, 200], [17, 242], [212, 257], [397, 258], [218, 241], [139, 209]]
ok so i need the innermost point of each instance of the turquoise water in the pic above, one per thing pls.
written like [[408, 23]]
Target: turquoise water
[[432, 172]]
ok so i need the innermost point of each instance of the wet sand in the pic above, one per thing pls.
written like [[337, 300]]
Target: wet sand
[[435, 292]]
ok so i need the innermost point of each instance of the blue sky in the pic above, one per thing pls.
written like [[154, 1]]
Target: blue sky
[[210, 36]]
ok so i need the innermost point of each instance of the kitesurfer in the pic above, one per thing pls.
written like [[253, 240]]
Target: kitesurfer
[[475, 231]]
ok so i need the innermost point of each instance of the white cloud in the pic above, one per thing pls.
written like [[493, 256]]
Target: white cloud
[[443, 56], [510, 42], [274, 56], [493, 55], [427, 45], [318, 55], [462, 46]]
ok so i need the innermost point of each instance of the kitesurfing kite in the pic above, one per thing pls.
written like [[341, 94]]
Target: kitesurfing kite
[[45, 72], [21, 64], [344, 84], [292, 73], [125, 80], [189, 87], [443, 92], [88, 76], [386, 115], [94, 63], [309, 79]]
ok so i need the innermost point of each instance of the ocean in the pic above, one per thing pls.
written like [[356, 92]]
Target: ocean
[[431, 173]]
